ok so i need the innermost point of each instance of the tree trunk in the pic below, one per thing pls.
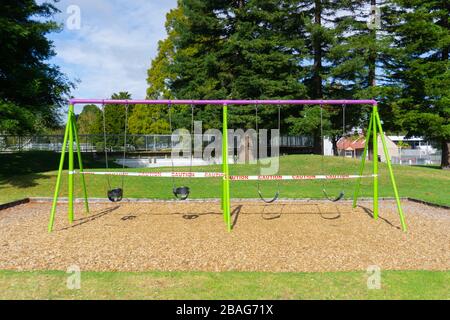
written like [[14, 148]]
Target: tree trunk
[[335, 148], [372, 60], [317, 48], [317, 70], [370, 146], [445, 161], [445, 25], [372, 77], [318, 144]]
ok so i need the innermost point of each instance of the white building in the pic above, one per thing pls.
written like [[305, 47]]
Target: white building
[[415, 143]]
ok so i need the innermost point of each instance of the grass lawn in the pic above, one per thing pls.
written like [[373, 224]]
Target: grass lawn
[[223, 286], [33, 175]]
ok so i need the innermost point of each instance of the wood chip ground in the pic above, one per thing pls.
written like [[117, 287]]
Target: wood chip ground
[[169, 236]]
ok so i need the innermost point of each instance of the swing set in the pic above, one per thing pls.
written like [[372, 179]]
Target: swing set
[[116, 194]]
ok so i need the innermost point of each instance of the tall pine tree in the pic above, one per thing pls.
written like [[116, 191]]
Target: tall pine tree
[[356, 57], [238, 50], [326, 23], [421, 65]]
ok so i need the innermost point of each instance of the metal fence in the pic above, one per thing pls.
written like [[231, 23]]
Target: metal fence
[[88, 143], [95, 143], [296, 141], [417, 157]]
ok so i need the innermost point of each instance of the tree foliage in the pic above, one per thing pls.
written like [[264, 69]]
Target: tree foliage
[[149, 120], [421, 65], [31, 89], [15, 120], [159, 74], [318, 49], [154, 119], [89, 120], [337, 65]]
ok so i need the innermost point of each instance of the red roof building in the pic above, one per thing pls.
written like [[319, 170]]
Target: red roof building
[[351, 147]]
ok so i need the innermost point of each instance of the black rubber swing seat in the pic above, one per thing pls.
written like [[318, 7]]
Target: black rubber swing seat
[[268, 201], [275, 198], [339, 197], [115, 195], [181, 193]]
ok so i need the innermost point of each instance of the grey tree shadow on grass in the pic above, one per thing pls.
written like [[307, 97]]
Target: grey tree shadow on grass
[[22, 181], [24, 169]]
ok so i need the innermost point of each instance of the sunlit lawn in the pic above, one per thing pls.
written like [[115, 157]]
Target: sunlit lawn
[[223, 286]]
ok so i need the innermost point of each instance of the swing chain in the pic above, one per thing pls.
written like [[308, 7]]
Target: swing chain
[[183, 192], [324, 191], [277, 194], [125, 143], [116, 194], [105, 143]]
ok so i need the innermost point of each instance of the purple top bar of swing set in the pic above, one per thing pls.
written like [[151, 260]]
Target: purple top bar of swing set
[[224, 102]]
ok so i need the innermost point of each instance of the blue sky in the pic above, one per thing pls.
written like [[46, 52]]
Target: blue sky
[[114, 46]]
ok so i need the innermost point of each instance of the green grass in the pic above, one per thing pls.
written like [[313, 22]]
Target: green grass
[[223, 286], [33, 175]]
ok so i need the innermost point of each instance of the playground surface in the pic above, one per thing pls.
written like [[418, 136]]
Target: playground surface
[[289, 236]]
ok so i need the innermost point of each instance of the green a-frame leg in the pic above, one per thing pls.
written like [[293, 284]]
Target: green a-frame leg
[[71, 137], [373, 129], [226, 206]]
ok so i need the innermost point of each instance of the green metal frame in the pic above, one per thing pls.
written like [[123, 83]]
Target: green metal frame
[[374, 129], [71, 137], [226, 206]]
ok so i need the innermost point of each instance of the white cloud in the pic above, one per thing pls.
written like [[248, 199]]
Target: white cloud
[[114, 47]]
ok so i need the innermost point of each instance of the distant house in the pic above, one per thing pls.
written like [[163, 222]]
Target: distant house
[[353, 147]]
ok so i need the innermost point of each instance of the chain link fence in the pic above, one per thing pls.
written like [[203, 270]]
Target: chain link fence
[[115, 143], [88, 143], [417, 157]]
